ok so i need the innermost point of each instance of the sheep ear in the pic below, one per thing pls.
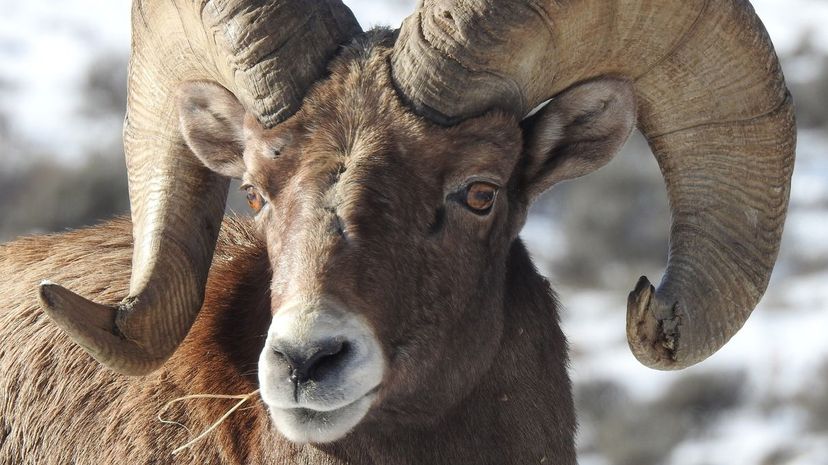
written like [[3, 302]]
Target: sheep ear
[[211, 120], [579, 131]]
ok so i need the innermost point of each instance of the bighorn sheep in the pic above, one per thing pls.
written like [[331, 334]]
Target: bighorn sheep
[[381, 299]]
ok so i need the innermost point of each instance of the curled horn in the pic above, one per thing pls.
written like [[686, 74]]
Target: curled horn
[[267, 53], [712, 102]]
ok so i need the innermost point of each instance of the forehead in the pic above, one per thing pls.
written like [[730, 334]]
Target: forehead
[[355, 121]]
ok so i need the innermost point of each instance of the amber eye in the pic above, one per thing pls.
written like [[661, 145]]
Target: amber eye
[[480, 196], [254, 199]]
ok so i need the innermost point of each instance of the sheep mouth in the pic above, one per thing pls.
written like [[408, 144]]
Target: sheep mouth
[[306, 425], [311, 412]]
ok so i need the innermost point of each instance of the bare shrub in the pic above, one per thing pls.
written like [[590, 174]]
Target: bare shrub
[[105, 86], [779, 456], [701, 398], [807, 74], [629, 432], [598, 399], [815, 401], [45, 197]]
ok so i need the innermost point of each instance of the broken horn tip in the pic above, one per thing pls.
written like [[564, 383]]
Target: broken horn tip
[[639, 297], [643, 283]]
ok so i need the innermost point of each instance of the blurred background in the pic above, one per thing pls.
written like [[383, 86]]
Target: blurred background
[[761, 400]]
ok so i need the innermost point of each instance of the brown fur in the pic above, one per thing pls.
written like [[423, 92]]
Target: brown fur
[[362, 208], [61, 407]]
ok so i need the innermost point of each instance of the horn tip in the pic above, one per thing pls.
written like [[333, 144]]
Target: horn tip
[[61, 303], [45, 290], [653, 342], [92, 326]]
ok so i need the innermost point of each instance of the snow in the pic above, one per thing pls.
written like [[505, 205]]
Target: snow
[[809, 188], [546, 238], [758, 439], [790, 21], [380, 13], [45, 49]]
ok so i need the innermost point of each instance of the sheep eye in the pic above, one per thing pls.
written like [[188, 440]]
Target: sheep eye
[[480, 197], [254, 199]]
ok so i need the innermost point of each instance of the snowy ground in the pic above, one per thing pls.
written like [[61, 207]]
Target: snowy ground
[[778, 360]]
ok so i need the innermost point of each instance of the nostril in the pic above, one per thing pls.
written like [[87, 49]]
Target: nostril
[[327, 360], [282, 356], [313, 363]]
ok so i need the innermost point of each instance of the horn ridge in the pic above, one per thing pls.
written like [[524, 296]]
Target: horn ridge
[[712, 103], [177, 204]]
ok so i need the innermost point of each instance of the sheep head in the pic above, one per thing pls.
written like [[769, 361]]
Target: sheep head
[[387, 235]]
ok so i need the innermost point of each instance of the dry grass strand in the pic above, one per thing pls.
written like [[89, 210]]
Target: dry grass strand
[[242, 399]]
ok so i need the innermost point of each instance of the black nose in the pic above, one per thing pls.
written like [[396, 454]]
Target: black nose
[[313, 361]]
